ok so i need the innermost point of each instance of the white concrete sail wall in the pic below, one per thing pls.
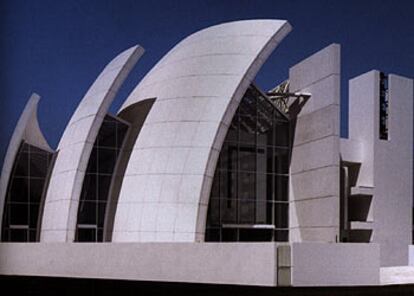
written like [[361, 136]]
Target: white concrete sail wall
[[314, 191], [62, 198], [198, 86], [28, 130]]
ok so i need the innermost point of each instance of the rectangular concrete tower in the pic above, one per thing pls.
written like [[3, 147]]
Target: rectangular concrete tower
[[381, 121]]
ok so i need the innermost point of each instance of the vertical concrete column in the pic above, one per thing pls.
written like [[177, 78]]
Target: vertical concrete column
[[284, 265], [314, 190]]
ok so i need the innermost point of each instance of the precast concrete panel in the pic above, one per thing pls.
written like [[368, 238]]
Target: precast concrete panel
[[62, 198], [198, 86]]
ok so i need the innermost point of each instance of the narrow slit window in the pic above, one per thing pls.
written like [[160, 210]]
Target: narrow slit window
[[384, 108], [98, 178], [25, 192]]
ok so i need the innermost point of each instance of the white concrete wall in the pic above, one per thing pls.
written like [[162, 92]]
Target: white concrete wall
[[314, 190], [218, 263], [28, 130], [75, 146], [387, 164], [198, 86]]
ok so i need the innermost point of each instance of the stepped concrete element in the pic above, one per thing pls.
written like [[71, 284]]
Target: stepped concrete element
[[62, 199], [351, 151], [198, 86], [362, 190], [361, 225], [27, 130], [314, 190]]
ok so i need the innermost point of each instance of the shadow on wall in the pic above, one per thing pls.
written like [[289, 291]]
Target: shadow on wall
[[135, 115], [294, 110]]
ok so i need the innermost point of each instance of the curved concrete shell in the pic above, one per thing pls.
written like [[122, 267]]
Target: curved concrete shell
[[28, 130], [198, 86], [61, 203]]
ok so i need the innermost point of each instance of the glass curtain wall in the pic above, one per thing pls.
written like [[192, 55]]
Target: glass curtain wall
[[98, 178], [24, 194], [249, 195]]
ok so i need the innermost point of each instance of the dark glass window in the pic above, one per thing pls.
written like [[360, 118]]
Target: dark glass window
[[98, 178], [384, 107], [24, 194], [249, 196]]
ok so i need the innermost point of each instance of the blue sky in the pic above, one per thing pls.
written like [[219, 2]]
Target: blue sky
[[57, 48]]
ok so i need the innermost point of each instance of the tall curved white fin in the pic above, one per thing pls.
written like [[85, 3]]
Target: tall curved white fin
[[28, 130], [198, 86], [62, 198]]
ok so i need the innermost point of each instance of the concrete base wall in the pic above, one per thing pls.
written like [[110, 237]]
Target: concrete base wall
[[260, 264], [219, 263], [318, 264], [397, 275], [411, 255]]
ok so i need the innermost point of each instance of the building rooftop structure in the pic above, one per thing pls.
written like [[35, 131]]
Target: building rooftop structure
[[201, 177]]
